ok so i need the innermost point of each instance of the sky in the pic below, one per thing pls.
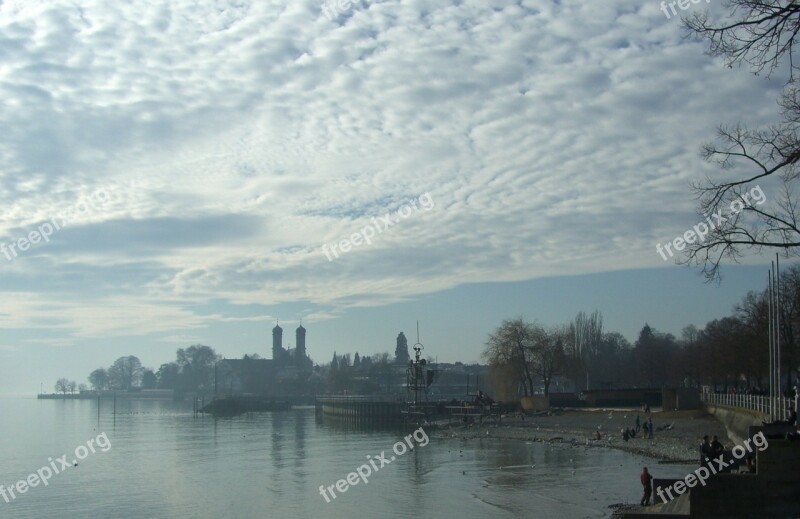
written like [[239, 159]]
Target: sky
[[176, 172]]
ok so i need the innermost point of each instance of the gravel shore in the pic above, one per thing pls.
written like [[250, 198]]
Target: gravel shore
[[677, 445]]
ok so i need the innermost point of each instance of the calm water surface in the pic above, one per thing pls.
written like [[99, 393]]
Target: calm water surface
[[163, 462]]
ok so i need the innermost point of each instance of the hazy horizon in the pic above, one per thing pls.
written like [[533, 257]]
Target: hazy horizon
[[180, 173]]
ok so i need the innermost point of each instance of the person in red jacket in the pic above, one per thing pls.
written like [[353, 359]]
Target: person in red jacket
[[647, 483]]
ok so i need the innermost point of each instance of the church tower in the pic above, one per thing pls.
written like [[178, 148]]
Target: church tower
[[300, 345], [277, 343]]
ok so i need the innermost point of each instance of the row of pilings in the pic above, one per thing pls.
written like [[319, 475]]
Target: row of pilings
[[359, 411]]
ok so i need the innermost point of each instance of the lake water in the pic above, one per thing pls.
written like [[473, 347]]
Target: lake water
[[164, 462]]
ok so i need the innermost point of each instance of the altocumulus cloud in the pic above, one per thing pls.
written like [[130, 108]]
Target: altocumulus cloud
[[243, 134]]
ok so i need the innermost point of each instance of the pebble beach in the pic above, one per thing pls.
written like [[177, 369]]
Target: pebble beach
[[678, 444]]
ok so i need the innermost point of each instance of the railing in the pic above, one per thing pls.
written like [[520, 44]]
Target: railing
[[760, 404]]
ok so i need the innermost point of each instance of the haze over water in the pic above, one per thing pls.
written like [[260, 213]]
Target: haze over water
[[163, 462]]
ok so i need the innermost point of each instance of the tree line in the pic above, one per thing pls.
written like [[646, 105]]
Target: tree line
[[729, 353], [192, 370]]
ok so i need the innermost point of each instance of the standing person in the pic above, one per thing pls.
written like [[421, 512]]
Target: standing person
[[717, 449], [706, 452], [649, 427], [647, 484], [637, 423]]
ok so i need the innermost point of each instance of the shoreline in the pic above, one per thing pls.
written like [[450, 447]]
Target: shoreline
[[574, 427]]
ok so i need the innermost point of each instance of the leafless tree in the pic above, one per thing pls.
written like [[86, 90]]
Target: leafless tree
[[582, 342], [527, 350], [759, 35], [548, 355], [125, 372], [62, 385], [511, 344]]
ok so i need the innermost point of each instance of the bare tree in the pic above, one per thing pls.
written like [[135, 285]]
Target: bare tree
[[526, 352], [125, 372], [790, 320], [511, 344], [99, 379], [548, 355], [62, 385], [760, 35], [582, 341], [197, 366]]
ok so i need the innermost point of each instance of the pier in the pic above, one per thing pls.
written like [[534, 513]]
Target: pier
[[360, 411]]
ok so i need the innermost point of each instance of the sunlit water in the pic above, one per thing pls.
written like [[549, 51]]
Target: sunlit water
[[164, 462]]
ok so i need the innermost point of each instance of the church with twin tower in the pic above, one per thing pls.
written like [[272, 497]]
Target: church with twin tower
[[290, 357]]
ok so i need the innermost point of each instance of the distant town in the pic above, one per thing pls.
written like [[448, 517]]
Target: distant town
[[290, 374], [522, 359]]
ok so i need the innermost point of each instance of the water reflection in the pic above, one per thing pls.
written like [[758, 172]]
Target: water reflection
[[164, 462]]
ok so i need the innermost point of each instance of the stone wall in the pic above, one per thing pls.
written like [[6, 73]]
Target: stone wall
[[736, 421]]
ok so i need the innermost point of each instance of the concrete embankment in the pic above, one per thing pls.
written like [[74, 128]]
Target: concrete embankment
[[736, 421], [767, 489]]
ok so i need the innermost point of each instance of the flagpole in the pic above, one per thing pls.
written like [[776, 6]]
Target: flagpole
[[771, 337], [778, 347]]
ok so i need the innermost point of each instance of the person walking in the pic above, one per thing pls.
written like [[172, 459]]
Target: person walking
[[638, 425], [647, 485], [649, 427]]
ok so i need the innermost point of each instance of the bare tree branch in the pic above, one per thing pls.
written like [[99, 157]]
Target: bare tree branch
[[762, 36]]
